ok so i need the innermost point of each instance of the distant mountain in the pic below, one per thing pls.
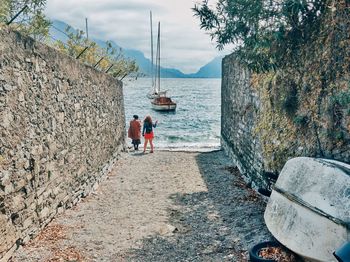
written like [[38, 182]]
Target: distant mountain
[[145, 65], [210, 70]]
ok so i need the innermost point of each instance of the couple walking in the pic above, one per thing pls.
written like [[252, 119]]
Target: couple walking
[[134, 132]]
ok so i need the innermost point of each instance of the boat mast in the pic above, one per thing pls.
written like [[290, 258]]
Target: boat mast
[[158, 60], [152, 66]]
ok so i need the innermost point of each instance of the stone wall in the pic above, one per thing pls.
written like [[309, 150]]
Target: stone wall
[[62, 127], [239, 108], [242, 142]]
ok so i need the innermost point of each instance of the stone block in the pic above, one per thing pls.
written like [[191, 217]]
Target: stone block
[[6, 255], [17, 203], [60, 117], [20, 97], [46, 129], [60, 97], [28, 223], [8, 234], [45, 213], [5, 179]]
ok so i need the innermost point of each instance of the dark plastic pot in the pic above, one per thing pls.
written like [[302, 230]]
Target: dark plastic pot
[[264, 192], [254, 251], [271, 176]]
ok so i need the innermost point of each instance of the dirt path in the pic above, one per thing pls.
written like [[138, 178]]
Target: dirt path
[[166, 206]]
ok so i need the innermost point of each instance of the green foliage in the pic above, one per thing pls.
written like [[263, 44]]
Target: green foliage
[[76, 44], [342, 98], [339, 135], [290, 103], [264, 32], [305, 103], [300, 120], [31, 22], [4, 10]]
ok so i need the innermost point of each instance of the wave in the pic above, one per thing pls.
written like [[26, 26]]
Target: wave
[[194, 126], [190, 147]]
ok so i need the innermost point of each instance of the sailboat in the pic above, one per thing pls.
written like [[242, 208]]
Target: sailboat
[[154, 92], [160, 102]]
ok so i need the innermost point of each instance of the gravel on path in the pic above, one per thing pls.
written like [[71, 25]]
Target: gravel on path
[[165, 206]]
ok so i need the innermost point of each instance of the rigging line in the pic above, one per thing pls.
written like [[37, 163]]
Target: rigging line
[[158, 54], [57, 40], [86, 28], [69, 37], [61, 31], [54, 38], [152, 66]]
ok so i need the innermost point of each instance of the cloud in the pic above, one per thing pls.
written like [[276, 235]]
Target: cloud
[[126, 22]]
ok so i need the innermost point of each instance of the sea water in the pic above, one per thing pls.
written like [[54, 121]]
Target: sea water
[[195, 125]]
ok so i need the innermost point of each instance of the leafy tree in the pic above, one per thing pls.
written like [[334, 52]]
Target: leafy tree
[[299, 51], [263, 32], [31, 21]]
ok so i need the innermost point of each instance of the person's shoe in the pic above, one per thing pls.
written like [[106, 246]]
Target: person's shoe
[[151, 151]]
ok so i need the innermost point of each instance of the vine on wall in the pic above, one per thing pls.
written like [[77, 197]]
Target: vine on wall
[[299, 51], [305, 105]]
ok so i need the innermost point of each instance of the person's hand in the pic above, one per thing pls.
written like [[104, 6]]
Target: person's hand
[[156, 121]]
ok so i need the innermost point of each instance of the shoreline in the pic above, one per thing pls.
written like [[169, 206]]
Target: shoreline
[[190, 149], [179, 149], [194, 148]]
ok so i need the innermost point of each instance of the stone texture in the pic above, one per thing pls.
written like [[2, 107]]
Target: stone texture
[[170, 206], [62, 126], [240, 105], [241, 141]]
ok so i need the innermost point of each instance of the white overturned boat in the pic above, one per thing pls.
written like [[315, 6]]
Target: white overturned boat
[[309, 208]]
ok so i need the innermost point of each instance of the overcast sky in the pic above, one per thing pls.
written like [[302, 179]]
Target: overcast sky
[[183, 44]]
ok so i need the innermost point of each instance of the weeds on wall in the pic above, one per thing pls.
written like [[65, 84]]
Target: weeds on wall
[[305, 104], [32, 20], [300, 54]]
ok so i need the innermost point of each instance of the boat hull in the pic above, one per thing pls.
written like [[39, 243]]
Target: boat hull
[[308, 210], [310, 235], [164, 107]]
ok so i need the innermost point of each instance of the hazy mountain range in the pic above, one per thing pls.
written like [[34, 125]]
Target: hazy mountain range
[[210, 70]]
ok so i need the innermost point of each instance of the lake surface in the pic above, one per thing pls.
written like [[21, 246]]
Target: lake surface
[[195, 125]]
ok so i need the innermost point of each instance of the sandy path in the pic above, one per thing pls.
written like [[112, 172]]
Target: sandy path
[[166, 206]]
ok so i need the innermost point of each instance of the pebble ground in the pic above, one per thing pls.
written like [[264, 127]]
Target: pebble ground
[[165, 206]]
